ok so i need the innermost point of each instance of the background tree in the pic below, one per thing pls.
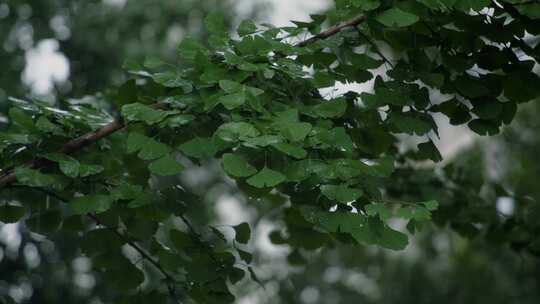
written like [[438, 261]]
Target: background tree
[[97, 37]]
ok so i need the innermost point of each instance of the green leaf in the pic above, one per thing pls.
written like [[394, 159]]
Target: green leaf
[[11, 214], [531, 10], [522, 86], [245, 256], [295, 131], [409, 123], [364, 62], [34, 178], [87, 170], [266, 178], [153, 62], [47, 221], [396, 17], [173, 79], [72, 167], [215, 23], [323, 80], [21, 119], [45, 125], [431, 205], [292, 150], [380, 210], [233, 101], [242, 233], [246, 27], [189, 48], [135, 141], [230, 86], [263, 141], [95, 203], [442, 5], [484, 127], [177, 121], [428, 150], [199, 147], [141, 200], [236, 275], [487, 109], [366, 5], [165, 166], [475, 5], [341, 193], [126, 191], [237, 166], [153, 149], [234, 131], [140, 112], [68, 165], [330, 109]]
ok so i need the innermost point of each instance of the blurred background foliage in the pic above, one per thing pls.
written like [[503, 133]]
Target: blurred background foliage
[[484, 262], [96, 37]]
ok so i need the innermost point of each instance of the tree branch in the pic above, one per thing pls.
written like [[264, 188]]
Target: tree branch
[[70, 147], [333, 30], [79, 143]]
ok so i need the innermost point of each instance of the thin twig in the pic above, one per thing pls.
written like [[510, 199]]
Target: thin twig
[[333, 30]]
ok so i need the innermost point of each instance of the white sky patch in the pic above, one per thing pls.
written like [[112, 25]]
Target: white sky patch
[[298, 10], [231, 211], [117, 3], [45, 66], [506, 205]]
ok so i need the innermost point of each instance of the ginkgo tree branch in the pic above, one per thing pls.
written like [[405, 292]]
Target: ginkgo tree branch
[[70, 147], [85, 140], [333, 30]]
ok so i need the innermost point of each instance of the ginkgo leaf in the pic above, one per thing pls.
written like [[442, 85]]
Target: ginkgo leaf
[[329, 109], [35, 178], [295, 131], [233, 101], [88, 170], [237, 166], [230, 86], [380, 210], [341, 193], [135, 141], [246, 27], [11, 214], [68, 165], [91, 203], [266, 178], [242, 233], [199, 147], [165, 166], [153, 149], [396, 17], [292, 150], [140, 112], [234, 131]]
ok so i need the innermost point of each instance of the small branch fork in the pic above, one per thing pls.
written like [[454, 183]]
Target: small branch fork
[[81, 142]]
